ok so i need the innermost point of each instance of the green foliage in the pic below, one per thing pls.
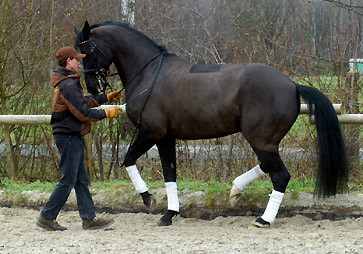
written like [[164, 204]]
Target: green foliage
[[211, 186], [301, 185], [111, 184], [260, 184], [8, 185]]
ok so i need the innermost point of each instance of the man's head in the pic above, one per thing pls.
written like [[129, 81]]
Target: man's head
[[68, 58]]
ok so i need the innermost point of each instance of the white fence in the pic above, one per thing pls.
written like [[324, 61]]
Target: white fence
[[45, 119]]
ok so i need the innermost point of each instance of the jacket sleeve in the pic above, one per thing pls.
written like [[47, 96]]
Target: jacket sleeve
[[72, 96], [95, 100]]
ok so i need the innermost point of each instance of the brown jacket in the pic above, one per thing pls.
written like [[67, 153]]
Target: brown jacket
[[71, 110]]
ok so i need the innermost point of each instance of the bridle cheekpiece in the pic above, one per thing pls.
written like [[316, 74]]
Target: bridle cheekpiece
[[100, 72]]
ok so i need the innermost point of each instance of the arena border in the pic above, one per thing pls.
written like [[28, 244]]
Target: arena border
[[202, 205]]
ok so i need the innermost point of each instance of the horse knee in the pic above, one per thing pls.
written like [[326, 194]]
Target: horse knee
[[280, 179], [143, 142], [169, 172], [128, 161]]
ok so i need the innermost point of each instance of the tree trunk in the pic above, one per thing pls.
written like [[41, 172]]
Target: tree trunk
[[9, 153], [8, 145]]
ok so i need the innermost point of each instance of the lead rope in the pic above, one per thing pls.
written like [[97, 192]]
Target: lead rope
[[138, 124]]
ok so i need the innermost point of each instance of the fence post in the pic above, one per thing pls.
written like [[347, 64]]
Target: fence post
[[88, 156], [351, 132], [229, 158]]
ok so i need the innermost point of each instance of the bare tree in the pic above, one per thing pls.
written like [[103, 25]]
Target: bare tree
[[309, 40], [189, 28], [21, 59], [354, 6]]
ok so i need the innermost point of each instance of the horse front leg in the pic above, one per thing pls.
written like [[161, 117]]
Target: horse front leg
[[143, 142], [167, 153]]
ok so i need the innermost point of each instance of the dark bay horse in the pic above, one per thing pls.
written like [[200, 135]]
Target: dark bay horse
[[169, 98]]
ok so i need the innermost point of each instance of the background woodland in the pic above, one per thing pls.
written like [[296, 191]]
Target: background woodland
[[311, 41]]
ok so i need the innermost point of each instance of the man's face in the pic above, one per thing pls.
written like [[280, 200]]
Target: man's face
[[73, 64]]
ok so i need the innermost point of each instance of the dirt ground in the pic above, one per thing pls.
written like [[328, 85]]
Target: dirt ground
[[138, 233]]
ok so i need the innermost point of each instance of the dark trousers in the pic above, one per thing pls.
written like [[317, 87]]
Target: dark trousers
[[73, 174]]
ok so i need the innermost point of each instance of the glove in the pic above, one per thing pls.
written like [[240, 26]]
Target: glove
[[114, 96], [112, 112]]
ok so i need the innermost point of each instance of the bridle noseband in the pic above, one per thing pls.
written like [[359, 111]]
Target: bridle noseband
[[100, 72]]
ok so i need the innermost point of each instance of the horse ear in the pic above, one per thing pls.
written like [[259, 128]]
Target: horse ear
[[77, 30], [86, 30]]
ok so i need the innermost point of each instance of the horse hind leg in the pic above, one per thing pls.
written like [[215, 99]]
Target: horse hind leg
[[272, 164], [264, 132]]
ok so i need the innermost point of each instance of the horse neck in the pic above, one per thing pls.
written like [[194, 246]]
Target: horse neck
[[129, 61]]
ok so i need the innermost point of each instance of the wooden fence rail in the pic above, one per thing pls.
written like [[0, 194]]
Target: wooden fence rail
[[42, 119], [45, 119]]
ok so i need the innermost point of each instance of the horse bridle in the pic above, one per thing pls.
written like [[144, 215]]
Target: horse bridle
[[100, 72]]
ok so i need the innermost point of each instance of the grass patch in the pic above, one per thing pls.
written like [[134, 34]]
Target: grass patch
[[9, 185], [184, 184]]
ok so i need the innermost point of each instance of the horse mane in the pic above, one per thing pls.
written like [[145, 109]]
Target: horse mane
[[133, 30]]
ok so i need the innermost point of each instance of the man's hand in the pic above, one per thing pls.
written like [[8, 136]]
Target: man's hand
[[114, 96], [112, 112]]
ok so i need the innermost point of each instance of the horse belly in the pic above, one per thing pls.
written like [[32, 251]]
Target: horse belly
[[204, 125]]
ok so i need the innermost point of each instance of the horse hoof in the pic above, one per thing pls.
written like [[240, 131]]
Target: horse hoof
[[252, 226], [234, 196], [163, 223], [259, 223], [149, 200], [151, 203], [234, 199], [166, 220]]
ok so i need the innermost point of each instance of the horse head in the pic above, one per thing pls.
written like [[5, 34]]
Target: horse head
[[97, 61], [114, 42]]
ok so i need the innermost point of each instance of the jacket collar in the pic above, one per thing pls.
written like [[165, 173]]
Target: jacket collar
[[61, 74]]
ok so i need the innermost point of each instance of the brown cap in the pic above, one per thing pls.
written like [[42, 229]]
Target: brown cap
[[68, 52]]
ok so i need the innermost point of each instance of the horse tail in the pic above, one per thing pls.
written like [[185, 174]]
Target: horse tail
[[332, 175]]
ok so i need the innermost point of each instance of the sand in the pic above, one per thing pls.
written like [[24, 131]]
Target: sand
[[138, 233]]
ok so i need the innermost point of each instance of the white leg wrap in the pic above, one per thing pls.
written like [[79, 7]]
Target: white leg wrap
[[136, 179], [273, 206], [172, 194], [241, 181]]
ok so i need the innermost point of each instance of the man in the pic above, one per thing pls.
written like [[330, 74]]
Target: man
[[70, 121]]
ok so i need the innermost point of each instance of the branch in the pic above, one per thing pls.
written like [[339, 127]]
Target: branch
[[349, 7]]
